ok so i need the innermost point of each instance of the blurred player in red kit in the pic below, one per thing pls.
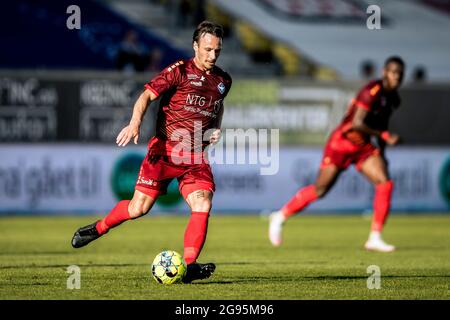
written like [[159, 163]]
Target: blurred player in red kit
[[192, 93], [350, 143]]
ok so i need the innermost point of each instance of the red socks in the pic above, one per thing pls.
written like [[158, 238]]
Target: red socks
[[301, 199], [117, 215], [381, 204], [195, 236]]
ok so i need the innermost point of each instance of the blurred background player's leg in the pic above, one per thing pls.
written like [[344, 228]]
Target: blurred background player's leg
[[325, 180], [375, 169]]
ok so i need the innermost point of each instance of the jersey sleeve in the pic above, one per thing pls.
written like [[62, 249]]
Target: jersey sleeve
[[167, 79], [229, 82], [367, 96]]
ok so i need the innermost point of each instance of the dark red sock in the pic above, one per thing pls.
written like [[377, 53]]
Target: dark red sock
[[298, 202], [381, 205], [195, 236], [117, 215]]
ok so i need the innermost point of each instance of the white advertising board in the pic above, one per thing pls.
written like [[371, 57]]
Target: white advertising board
[[75, 178]]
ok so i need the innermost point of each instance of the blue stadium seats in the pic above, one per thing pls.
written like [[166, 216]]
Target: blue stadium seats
[[34, 35]]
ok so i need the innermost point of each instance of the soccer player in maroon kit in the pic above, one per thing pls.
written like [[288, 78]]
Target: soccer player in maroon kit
[[350, 143], [192, 106]]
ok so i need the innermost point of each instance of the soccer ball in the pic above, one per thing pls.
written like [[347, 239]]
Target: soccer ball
[[169, 267]]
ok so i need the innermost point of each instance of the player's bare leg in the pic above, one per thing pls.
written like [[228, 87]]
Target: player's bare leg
[[195, 235], [123, 211], [375, 169], [325, 180]]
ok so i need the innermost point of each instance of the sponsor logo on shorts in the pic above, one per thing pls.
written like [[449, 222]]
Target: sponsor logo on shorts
[[149, 182], [125, 173]]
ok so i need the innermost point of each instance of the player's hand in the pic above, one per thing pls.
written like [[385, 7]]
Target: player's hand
[[393, 139], [129, 132], [215, 136]]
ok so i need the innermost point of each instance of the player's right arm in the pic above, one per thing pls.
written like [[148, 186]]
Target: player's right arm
[[131, 131], [359, 124], [168, 78], [363, 102]]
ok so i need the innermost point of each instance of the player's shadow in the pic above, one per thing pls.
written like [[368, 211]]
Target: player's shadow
[[239, 263], [66, 265], [35, 253], [311, 278], [228, 263]]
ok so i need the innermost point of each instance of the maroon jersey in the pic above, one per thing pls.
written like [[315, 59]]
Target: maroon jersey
[[378, 102], [191, 99]]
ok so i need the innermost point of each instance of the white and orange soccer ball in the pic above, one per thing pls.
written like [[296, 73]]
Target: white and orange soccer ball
[[168, 267]]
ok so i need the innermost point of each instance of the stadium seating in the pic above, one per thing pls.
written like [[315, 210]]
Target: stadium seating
[[51, 45], [333, 37], [163, 19]]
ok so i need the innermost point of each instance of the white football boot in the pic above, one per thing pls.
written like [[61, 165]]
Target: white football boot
[[376, 243], [276, 221]]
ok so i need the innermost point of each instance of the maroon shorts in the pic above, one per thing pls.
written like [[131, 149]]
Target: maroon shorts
[[157, 171], [341, 152]]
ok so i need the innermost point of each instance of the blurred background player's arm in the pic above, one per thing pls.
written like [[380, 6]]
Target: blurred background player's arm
[[359, 124], [132, 130]]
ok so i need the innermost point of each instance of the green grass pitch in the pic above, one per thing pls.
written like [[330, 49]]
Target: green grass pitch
[[322, 258]]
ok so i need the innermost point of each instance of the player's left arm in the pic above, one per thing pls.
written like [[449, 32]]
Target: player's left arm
[[217, 133], [359, 124]]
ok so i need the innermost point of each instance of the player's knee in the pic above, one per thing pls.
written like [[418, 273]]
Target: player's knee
[[387, 185], [203, 205], [321, 191], [381, 179], [136, 211]]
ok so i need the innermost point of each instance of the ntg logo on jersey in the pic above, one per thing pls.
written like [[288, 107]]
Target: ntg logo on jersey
[[125, 173]]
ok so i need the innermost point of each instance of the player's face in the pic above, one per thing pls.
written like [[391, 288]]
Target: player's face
[[393, 75], [207, 51]]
